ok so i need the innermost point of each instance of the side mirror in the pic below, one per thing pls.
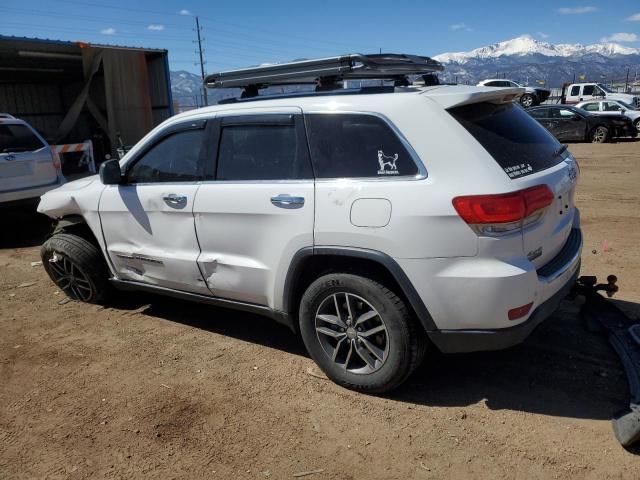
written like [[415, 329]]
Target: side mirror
[[623, 111], [110, 173]]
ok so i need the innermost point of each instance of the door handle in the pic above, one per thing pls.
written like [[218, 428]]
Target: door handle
[[174, 200], [287, 201]]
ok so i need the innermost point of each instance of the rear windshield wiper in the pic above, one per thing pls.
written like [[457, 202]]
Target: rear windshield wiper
[[560, 150]]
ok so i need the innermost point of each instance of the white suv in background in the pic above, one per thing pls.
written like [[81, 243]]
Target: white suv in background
[[378, 225], [28, 166]]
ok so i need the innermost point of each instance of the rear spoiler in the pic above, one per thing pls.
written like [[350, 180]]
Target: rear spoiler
[[456, 96]]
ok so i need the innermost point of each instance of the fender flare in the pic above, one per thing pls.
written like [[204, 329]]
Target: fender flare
[[296, 268]]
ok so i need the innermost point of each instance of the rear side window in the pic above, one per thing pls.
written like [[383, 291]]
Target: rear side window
[[591, 107], [588, 90], [519, 144], [262, 152], [356, 146], [575, 91], [18, 138]]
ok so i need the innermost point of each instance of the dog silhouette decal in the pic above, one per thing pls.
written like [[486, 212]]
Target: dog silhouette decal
[[387, 161]]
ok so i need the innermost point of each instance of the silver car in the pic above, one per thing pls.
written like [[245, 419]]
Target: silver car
[[609, 107], [28, 165]]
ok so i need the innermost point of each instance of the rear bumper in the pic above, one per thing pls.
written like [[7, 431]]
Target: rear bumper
[[8, 197], [458, 341]]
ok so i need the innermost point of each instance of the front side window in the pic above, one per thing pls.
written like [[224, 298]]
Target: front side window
[[18, 138], [261, 152], [175, 158], [356, 146], [611, 107]]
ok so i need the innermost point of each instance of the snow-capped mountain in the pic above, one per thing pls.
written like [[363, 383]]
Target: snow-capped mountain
[[526, 45], [528, 60]]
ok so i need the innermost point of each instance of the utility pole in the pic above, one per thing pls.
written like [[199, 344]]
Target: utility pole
[[200, 52], [626, 83]]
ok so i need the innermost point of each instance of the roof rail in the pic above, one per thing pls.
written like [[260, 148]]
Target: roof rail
[[6, 115], [325, 73]]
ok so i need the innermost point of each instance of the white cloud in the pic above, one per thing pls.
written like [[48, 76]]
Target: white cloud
[[184, 11], [621, 37], [633, 18], [576, 10], [543, 35], [460, 26], [155, 27], [108, 31]]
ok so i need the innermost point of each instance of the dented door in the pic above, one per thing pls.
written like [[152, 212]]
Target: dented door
[[258, 212]]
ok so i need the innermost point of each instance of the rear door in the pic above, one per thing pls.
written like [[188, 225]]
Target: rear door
[[257, 211], [25, 158]]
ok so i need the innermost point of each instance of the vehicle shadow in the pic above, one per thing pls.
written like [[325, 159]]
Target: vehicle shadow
[[561, 370], [23, 227]]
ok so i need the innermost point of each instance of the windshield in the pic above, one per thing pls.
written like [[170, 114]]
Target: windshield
[[626, 105], [18, 138], [606, 89], [517, 142]]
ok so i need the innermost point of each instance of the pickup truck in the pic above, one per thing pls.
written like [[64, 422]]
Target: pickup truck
[[573, 93]]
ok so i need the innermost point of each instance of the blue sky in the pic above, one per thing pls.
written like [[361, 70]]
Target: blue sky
[[249, 32]]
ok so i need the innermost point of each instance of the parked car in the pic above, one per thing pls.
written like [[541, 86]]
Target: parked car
[[532, 95], [341, 215], [571, 124], [612, 107], [28, 165], [581, 92]]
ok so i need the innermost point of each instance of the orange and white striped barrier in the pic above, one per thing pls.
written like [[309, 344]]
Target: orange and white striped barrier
[[86, 147]]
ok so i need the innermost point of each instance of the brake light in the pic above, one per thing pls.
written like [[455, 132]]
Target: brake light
[[504, 211]]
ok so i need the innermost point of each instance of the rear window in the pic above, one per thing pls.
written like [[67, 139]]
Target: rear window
[[18, 138], [518, 143]]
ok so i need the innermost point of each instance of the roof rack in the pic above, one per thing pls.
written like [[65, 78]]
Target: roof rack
[[325, 73]]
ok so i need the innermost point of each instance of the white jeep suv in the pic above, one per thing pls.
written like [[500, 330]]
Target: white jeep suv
[[28, 165], [377, 225]]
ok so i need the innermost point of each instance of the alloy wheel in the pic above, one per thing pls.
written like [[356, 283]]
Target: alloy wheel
[[599, 136], [352, 333], [70, 278]]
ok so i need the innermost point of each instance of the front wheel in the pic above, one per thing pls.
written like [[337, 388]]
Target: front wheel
[[527, 100], [637, 124], [600, 134], [360, 333], [77, 267]]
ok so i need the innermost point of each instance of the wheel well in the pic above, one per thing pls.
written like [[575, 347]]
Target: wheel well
[[313, 266], [76, 225]]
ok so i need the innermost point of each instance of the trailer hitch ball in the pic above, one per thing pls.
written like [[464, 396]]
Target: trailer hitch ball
[[611, 288]]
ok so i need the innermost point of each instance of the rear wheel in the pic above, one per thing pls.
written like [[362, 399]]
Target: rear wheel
[[360, 333], [77, 267], [600, 134], [637, 124]]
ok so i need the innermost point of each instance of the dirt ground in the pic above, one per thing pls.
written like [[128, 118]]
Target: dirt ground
[[158, 388]]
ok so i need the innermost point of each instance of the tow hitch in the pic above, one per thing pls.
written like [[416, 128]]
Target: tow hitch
[[599, 315]]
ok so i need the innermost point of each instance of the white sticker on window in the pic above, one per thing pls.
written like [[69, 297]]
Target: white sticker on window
[[387, 164], [518, 170]]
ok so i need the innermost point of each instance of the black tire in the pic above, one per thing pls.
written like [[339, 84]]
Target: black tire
[[637, 125], [527, 100], [600, 134], [404, 339], [77, 267]]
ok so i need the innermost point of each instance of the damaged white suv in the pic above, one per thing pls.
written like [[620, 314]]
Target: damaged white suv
[[376, 224]]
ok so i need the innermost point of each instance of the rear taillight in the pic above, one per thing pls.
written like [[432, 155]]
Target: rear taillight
[[504, 212]]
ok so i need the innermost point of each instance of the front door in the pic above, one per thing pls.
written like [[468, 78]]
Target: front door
[[148, 220], [258, 212]]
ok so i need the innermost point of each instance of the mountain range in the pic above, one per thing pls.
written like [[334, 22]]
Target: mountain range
[[523, 59]]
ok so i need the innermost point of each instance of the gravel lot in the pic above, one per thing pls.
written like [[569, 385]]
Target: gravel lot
[[158, 388]]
